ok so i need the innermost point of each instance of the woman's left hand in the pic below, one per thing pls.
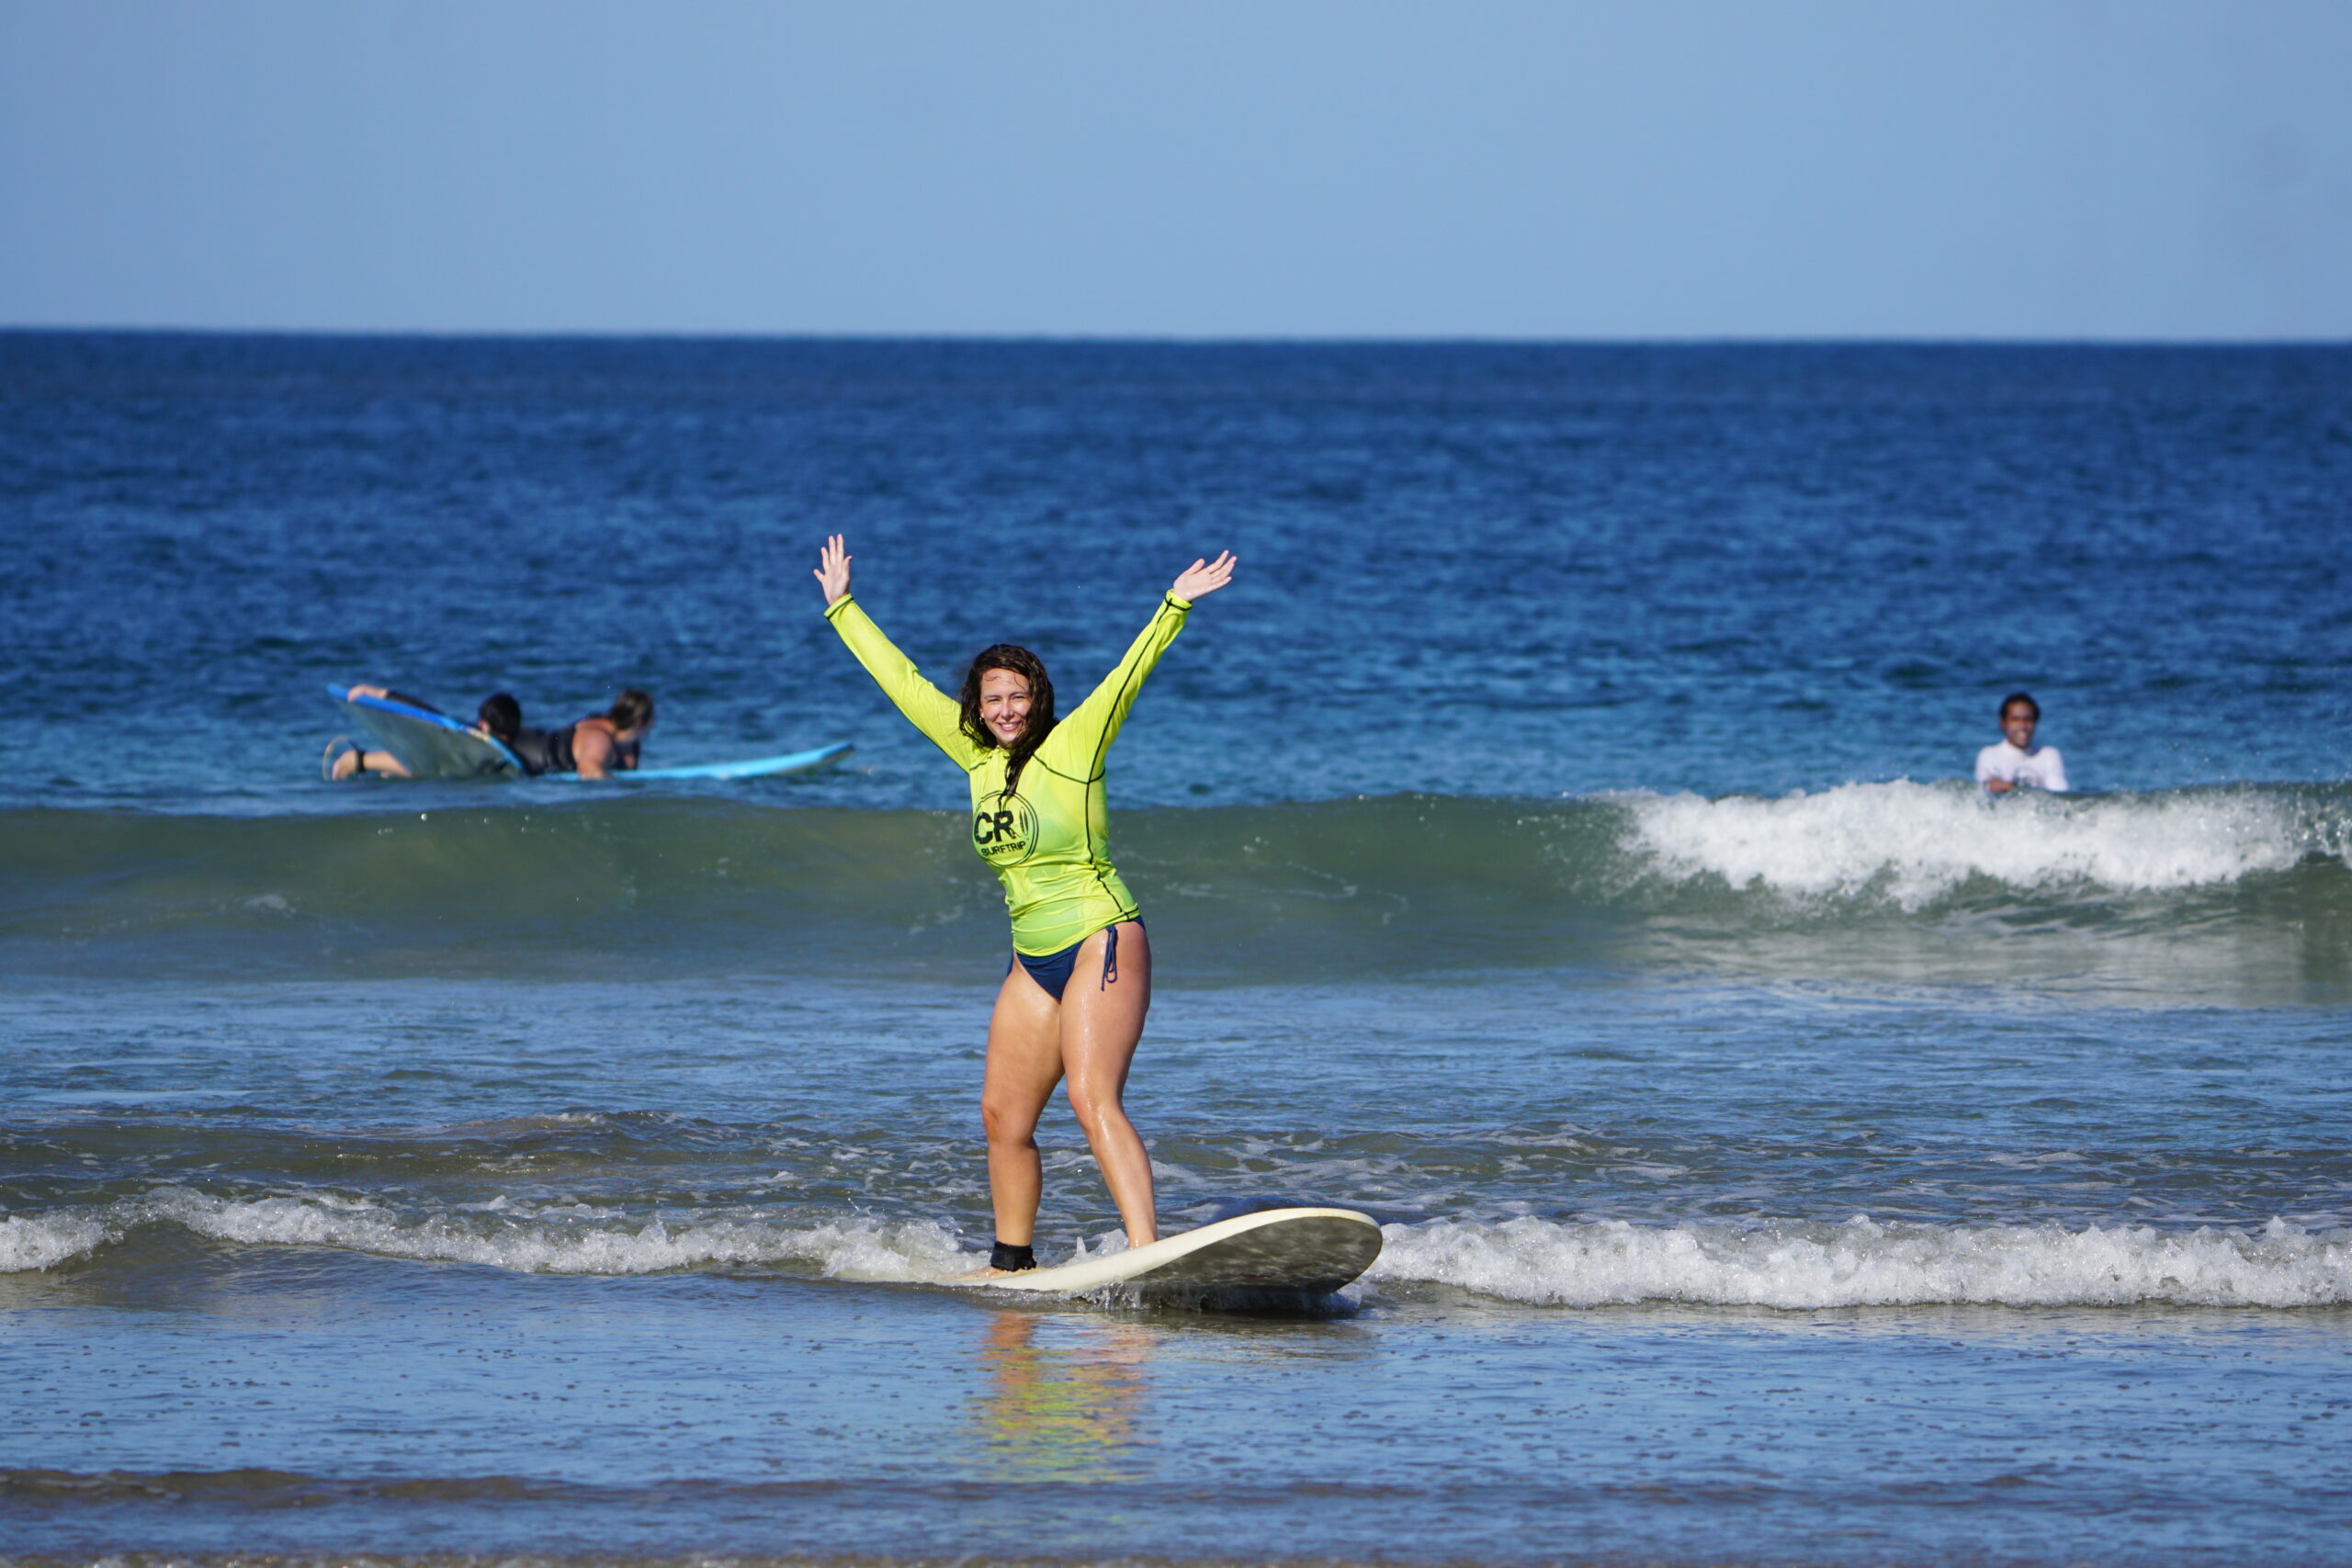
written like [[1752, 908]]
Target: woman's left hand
[[1206, 576], [832, 570]]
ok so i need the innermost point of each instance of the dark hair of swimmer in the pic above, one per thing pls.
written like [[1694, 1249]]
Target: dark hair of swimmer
[[1030, 668], [2014, 698], [632, 709], [501, 715]]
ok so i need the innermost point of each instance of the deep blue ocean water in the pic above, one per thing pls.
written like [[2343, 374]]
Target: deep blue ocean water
[[1555, 842]]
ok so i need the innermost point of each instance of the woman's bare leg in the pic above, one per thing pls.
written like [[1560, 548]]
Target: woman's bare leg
[[1024, 1063], [1101, 1025], [358, 760]]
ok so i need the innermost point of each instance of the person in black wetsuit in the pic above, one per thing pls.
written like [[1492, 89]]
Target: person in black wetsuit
[[500, 718], [596, 746]]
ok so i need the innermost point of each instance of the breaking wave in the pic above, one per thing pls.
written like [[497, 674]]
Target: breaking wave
[[1251, 893], [579, 1239], [1910, 845], [1864, 1263], [1781, 1264]]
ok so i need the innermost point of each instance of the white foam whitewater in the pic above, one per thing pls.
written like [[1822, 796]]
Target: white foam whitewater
[[1863, 1263], [1912, 843], [573, 1240], [43, 1241]]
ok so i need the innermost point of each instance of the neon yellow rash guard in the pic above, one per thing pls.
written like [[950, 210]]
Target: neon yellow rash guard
[[1050, 841]]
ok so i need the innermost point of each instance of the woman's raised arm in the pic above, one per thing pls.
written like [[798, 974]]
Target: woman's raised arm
[[1082, 737], [927, 707]]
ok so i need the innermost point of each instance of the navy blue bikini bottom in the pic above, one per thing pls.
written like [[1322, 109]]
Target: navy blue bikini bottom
[[1053, 971]]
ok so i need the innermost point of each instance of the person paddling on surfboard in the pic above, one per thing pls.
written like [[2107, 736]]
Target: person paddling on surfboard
[[596, 746], [498, 719], [1079, 983]]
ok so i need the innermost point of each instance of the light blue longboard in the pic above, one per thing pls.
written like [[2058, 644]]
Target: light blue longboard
[[435, 746], [750, 768]]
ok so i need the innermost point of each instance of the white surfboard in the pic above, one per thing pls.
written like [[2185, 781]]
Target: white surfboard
[[1276, 1253]]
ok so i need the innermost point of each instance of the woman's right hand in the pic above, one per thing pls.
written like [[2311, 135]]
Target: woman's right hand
[[832, 571]]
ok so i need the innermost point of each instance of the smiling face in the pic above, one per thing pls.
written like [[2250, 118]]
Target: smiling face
[[2017, 721], [1004, 704]]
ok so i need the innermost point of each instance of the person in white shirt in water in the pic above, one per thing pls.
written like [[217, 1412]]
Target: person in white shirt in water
[[2014, 763]]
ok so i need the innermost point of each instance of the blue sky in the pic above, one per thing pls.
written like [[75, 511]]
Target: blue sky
[[2065, 168]]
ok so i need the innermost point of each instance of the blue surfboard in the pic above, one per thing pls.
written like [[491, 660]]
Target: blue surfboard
[[430, 744], [435, 745], [751, 768]]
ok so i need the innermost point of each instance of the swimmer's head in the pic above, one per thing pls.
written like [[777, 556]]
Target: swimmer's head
[[501, 716], [1008, 701], [2019, 713], [631, 713]]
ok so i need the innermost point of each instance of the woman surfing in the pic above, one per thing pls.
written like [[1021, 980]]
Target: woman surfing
[[1075, 994]]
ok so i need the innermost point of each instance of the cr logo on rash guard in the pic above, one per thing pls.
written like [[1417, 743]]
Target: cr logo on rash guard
[[1004, 829]]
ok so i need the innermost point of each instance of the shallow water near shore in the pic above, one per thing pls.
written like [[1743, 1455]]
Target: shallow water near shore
[[1554, 845], [284, 1282]]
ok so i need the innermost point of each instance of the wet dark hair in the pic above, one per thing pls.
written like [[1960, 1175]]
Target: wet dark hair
[[632, 709], [501, 715], [1030, 668], [2027, 698]]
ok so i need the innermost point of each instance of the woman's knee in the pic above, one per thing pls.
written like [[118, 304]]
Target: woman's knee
[[1096, 1108], [1006, 1121]]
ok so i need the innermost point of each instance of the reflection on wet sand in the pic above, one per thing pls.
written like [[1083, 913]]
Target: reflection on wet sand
[[1064, 1411]]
